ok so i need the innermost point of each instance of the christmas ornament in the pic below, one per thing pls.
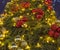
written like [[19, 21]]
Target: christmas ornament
[[51, 33], [50, 8], [38, 13], [54, 31], [2, 36], [58, 30], [54, 27], [25, 19], [12, 45], [2, 5], [56, 7], [48, 2], [14, 8], [37, 10], [23, 44], [38, 16], [56, 35], [25, 4], [17, 38], [19, 23]]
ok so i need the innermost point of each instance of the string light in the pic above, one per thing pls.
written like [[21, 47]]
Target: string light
[[41, 37], [23, 9], [38, 45], [25, 25], [1, 22], [20, 16], [48, 39], [27, 47]]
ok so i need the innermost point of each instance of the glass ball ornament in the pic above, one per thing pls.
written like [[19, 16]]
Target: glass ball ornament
[[2, 36], [23, 44], [17, 38], [12, 46]]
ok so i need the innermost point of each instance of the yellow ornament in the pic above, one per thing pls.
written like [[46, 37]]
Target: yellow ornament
[[23, 9], [38, 45]]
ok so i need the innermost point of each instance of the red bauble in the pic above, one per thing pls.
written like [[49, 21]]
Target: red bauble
[[38, 10], [51, 33], [25, 19], [14, 8], [34, 10], [48, 2], [25, 4], [19, 23], [58, 30], [39, 13], [50, 8], [56, 35], [54, 27], [38, 16]]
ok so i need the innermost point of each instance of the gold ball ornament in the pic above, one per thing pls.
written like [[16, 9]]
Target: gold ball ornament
[[23, 44], [12, 45], [17, 38]]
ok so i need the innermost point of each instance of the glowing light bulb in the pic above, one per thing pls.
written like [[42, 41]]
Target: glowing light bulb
[[38, 45], [40, 5], [14, 24], [2, 44], [27, 47], [48, 39], [20, 16], [23, 9], [25, 25], [41, 37], [53, 41], [1, 22], [27, 13]]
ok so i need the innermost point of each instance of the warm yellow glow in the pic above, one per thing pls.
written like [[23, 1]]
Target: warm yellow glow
[[2, 44], [41, 37], [11, 46], [40, 5], [53, 41], [52, 12], [5, 31], [38, 45], [58, 48], [21, 17], [22, 37], [1, 22], [27, 47], [23, 9], [4, 36], [27, 13], [14, 24], [30, 8], [25, 25], [48, 39], [34, 13], [48, 10]]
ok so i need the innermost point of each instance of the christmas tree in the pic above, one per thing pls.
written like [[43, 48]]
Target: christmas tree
[[29, 25]]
